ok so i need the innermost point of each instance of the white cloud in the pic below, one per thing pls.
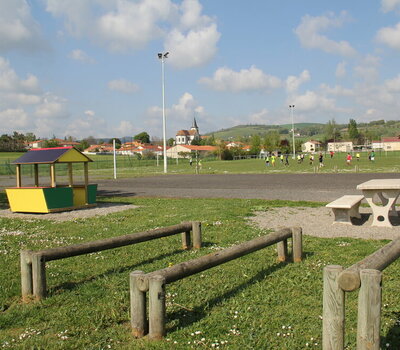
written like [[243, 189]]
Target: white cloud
[[341, 70], [79, 55], [90, 113], [309, 33], [52, 107], [390, 36], [194, 41], [122, 85], [125, 128], [179, 116], [368, 68], [293, 82], [225, 79], [311, 101], [393, 85], [133, 24], [18, 29], [10, 82], [194, 49], [390, 5], [261, 117], [122, 25], [15, 119], [336, 90]]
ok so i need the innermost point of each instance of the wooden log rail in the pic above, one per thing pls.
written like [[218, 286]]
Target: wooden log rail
[[33, 263], [154, 282], [365, 275]]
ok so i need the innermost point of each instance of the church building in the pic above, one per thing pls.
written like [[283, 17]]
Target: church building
[[185, 137]]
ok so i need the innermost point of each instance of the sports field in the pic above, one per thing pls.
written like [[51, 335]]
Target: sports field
[[102, 165]]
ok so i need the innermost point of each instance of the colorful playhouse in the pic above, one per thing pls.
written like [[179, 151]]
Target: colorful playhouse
[[53, 198]]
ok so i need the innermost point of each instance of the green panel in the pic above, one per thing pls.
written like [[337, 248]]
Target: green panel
[[59, 197], [92, 191]]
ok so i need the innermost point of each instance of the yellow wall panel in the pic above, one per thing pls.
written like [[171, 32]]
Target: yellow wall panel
[[72, 156], [30, 200]]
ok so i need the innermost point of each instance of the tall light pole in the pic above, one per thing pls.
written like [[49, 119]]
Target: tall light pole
[[162, 56], [291, 107]]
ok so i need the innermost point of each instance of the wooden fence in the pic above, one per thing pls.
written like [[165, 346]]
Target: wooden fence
[[33, 263], [365, 275], [154, 282]]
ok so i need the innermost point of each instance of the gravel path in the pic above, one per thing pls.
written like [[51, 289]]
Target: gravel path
[[99, 210], [318, 222]]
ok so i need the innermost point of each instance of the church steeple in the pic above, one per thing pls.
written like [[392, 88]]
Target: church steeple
[[194, 126]]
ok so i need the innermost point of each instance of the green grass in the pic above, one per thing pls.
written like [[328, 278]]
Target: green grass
[[102, 167], [245, 302]]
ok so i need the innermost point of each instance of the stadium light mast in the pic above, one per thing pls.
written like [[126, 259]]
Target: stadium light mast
[[162, 56], [291, 107]]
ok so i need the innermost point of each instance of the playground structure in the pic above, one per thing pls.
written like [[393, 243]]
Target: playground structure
[[53, 198], [365, 275], [33, 263], [155, 282]]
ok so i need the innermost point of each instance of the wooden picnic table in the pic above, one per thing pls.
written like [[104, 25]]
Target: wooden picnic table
[[381, 195]]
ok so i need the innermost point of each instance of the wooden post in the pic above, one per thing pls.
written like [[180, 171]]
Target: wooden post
[[196, 228], [333, 316], [349, 279], [36, 169], [369, 310], [38, 276], [70, 177], [86, 171], [18, 174], [282, 250], [297, 244], [156, 307], [26, 274], [186, 242], [53, 175], [138, 306]]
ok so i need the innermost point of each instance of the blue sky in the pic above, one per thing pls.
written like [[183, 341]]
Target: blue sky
[[90, 67]]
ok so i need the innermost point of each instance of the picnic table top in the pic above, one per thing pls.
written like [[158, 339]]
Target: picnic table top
[[380, 184]]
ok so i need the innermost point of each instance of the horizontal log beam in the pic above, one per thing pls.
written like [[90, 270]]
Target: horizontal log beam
[[191, 267], [349, 280], [113, 242]]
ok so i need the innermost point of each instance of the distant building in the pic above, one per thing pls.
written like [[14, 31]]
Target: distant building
[[340, 146], [185, 151], [311, 146], [185, 137], [391, 143]]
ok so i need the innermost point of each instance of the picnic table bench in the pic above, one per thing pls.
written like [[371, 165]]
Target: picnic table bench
[[346, 207]]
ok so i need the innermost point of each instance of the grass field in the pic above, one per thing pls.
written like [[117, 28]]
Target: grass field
[[249, 303], [102, 167]]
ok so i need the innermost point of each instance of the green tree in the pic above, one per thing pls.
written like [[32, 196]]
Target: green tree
[[51, 144], [83, 145], [332, 131], [30, 136], [272, 140], [117, 142], [143, 137], [170, 142], [352, 130], [255, 144]]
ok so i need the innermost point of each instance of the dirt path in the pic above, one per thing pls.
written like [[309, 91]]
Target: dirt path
[[318, 222]]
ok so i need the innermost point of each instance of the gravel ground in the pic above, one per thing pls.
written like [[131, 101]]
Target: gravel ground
[[318, 222], [99, 210]]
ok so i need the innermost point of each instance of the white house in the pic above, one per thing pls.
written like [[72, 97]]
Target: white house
[[311, 146], [377, 145], [391, 143], [184, 151], [185, 137], [340, 146]]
